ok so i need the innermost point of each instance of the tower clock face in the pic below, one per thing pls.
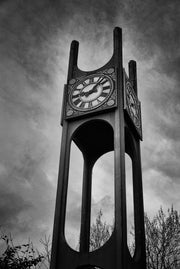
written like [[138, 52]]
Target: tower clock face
[[91, 92], [133, 105]]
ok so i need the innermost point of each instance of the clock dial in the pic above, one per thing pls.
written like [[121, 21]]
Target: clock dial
[[133, 105], [91, 92]]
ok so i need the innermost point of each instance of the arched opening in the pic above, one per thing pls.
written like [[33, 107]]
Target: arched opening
[[130, 213], [94, 138], [130, 205], [74, 198], [102, 202]]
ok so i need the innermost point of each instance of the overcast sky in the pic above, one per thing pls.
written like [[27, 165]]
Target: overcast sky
[[35, 37]]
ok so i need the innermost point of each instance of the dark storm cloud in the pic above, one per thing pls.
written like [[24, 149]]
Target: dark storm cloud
[[27, 88], [155, 25], [26, 28], [32, 47], [101, 10], [166, 160], [154, 30], [25, 195], [11, 205]]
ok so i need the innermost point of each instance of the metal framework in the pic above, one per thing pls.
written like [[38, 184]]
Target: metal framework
[[114, 124]]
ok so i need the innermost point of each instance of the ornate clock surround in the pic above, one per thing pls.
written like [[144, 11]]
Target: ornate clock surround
[[108, 102]]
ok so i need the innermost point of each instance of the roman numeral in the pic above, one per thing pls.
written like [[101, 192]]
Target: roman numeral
[[106, 88], [104, 81], [75, 95], [82, 105], [90, 104], [76, 102], [104, 94]]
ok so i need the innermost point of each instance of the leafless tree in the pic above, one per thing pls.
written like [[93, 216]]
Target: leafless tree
[[46, 242], [163, 240], [99, 233], [162, 244]]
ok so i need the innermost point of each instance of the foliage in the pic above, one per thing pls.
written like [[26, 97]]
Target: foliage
[[18, 256], [99, 233], [163, 240], [162, 244]]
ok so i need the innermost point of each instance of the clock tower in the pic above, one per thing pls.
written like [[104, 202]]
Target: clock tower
[[101, 112]]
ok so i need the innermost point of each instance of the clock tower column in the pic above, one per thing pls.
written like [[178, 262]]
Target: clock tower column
[[101, 112]]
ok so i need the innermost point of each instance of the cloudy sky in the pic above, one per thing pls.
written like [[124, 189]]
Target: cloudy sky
[[35, 37]]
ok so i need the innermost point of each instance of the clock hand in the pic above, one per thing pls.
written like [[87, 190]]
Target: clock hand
[[94, 89], [86, 94], [100, 80], [76, 95], [79, 94], [97, 84]]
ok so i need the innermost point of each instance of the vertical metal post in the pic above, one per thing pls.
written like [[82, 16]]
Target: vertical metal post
[[73, 58], [119, 147], [86, 207]]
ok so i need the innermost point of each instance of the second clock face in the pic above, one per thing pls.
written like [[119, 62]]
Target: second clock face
[[91, 92], [133, 105]]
